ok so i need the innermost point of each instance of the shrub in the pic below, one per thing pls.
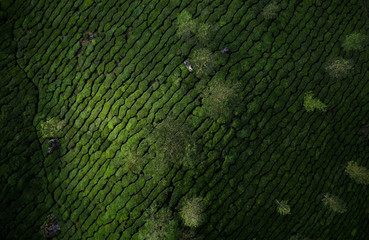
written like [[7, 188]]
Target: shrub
[[159, 225], [355, 41], [334, 203], [298, 237], [192, 212], [282, 207], [311, 103], [338, 67], [52, 128], [358, 173], [174, 143], [218, 99], [185, 25], [270, 11], [133, 162], [203, 62]]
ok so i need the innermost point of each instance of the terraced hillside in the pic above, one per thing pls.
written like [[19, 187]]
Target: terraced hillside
[[147, 145]]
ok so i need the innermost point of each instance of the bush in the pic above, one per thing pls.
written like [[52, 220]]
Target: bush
[[355, 42], [311, 103], [159, 225], [174, 143], [192, 212], [357, 173], [338, 67], [334, 203], [186, 26], [282, 207], [219, 99], [270, 11], [203, 62], [52, 128]]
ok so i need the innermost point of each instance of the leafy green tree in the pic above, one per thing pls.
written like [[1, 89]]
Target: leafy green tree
[[311, 103], [186, 26], [334, 203], [52, 128], [204, 32], [219, 99], [338, 67], [270, 11], [174, 143], [355, 42], [204, 62], [159, 225], [192, 212], [282, 207], [358, 173]]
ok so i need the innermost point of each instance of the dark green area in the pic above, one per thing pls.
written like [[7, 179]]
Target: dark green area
[[113, 72]]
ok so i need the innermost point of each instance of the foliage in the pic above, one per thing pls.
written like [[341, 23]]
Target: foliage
[[358, 173], [338, 67], [270, 11], [298, 237], [282, 207], [185, 25], [311, 103], [174, 143], [204, 32], [192, 212], [218, 99], [188, 234], [203, 62], [355, 41], [334, 203], [133, 162], [159, 225], [52, 128]]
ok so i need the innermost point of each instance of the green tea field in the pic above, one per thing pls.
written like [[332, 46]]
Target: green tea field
[[184, 119]]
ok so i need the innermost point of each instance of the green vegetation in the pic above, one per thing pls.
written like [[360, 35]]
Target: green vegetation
[[112, 70], [334, 203], [159, 225], [186, 26], [52, 128], [204, 62], [282, 207], [219, 99], [192, 212], [355, 42], [311, 103], [358, 173], [270, 11], [174, 143], [338, 67], [298, 237], [204, 33]]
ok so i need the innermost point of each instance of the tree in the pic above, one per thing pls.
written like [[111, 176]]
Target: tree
[[51, 128], [159, 225], [204, 32], [174, 143], [219, 99], [270, 11], [203, 62], [311, 103], [338, 67], [334, 203], [186, 26], [358, 173], [282, 207], [355, 42], [192, 212]]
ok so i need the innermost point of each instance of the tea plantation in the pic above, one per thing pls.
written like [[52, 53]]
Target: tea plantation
[[253, 143]]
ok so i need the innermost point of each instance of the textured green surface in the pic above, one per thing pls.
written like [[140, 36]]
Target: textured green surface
[[111, 92]]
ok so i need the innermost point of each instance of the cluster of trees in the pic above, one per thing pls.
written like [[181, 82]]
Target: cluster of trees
[[337, 68], [164, 224]]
